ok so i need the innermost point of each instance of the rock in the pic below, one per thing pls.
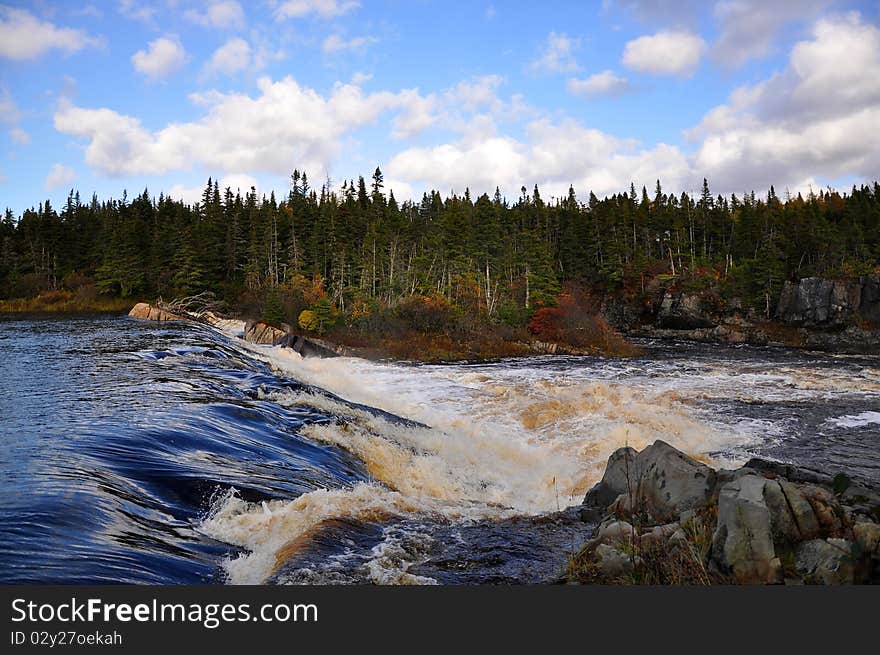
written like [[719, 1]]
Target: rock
[[869, 307], [660, 534], [867, 536], [788, 471], [261, 333], [801, 511], [826, 508], [148, 312], [614, 532], [683, 311], [615, 479], [660, 479], [612, 563], [743, 539], [819, 302], [826, 561]]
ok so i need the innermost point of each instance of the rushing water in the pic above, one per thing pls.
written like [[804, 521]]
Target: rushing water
[[142, 453]]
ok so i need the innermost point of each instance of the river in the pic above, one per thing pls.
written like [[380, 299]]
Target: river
[[134, 452]]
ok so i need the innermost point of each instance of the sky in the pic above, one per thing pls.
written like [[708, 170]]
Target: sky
[[116, 95]]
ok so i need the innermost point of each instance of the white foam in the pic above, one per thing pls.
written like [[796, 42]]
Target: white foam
[[856, 420]]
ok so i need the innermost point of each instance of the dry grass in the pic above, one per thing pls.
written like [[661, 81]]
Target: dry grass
[[64, 302]]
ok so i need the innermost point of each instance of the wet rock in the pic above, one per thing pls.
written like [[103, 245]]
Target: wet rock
[[788, 471], [261, 333], [743, 539], [826, 561]]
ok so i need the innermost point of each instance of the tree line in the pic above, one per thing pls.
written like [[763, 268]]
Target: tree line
[[354, 248]]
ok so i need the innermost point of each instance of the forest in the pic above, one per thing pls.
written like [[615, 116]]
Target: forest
[[325, 257]]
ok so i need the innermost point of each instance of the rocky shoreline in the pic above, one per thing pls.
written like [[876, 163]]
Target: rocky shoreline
[[665, 518], [831, 315]]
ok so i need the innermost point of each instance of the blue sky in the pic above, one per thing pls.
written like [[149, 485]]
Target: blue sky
[[124, 94]]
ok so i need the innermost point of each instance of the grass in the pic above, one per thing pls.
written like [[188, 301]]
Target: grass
[[63, 301]]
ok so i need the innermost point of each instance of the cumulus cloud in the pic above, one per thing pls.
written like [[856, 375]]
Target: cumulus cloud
[[606, 83], [218, 14], [286, 125], [335, 43], [664, 53], [556, 55], [316, 8], [232, 57], [817, 118], [59, 176], [553, 155], [23, 36], [162, 57]]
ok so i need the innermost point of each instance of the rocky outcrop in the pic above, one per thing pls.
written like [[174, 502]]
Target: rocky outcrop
[[149, 312], [264, 334], [818, 302], [675, 520], [683, 311]]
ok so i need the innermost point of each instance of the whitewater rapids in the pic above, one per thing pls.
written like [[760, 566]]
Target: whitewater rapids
[[490, 442]]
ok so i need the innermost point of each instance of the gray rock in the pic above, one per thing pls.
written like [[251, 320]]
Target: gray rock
[[743, 539], [826, 561], [660, 479], [612, 563], [613, 532], [683, 311]]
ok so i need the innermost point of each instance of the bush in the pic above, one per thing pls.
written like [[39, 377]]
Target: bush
[[308, 321], [425, 313]]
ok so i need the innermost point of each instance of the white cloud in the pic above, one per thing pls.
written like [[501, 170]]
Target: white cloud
[[664, 53], [23, 36], [360, 78], [335, 43], [59, 176], [557, 55], [19, 136], [553, 155], [139, 11], [606, 83], [218, 14], [162, 57], [815, 119], [232, 57], [317, 8], [286, 125]]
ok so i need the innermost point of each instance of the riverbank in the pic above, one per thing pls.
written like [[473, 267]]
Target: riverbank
[[63, 301]]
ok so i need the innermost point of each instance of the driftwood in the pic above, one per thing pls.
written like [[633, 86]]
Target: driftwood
[[194, 307]]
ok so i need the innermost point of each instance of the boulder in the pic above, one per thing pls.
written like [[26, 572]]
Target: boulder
[[660, 480], [867, 536], [149, 312], [826, 561], [743, 539], [613, 532]]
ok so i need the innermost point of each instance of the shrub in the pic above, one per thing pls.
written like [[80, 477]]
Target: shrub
[[308, 321]]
